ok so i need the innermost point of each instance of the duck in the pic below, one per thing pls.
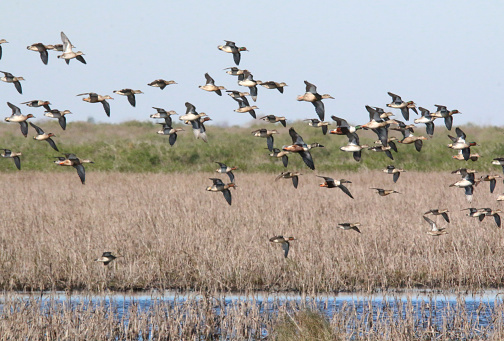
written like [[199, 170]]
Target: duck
[[71, 159], [475, 213], [239, 95], [459, 143], [274, 85], [443, 112], [434, 231], [350, 226], [162, 113], [381, 148], [42, 136], [492, 179], [130, 93], [275, 119], [10, 78], [161, 83], [281, 154], [2, 41], [499, 161], [290, 175], [342, 127], [38, 103], [60, 115], [234, 71], [467, 182], [245, 107], [460, 156], [68, 53], [316, 123], [495, 213], [18, 117], [167, 129], [210, 85], [230, 47], [395, 171], [378, 125], [427, 119], [219, 186], [300, 147], [106, 258], [408, 137], [384, 192], [398, 103], [42, 49], [284, 242], [353, 146], [224, 169], [191, 113], [311, 95], [248, 81], [331, 183], [437, 211], [268, 134], [390, 142], [14, 156], [95, 98]]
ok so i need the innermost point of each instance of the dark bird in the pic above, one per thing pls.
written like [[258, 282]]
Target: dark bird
[[106, 258]]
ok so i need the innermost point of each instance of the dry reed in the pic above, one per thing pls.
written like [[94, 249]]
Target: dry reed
[[174, 234]]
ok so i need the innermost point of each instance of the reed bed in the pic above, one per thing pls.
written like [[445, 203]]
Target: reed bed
[[217, 318], [173, 234]]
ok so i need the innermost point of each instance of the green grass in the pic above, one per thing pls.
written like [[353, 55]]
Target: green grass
[[135, 147]]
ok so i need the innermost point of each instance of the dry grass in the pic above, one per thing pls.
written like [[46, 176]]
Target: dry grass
[[214, 318], [174, 234]]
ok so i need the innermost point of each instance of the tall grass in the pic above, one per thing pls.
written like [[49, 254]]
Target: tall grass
[[174, 234], [135, 147]]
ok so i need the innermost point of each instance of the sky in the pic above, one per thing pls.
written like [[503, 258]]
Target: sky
[[432, 52]]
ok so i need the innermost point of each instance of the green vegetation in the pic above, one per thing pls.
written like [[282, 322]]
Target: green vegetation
[[135, 147]]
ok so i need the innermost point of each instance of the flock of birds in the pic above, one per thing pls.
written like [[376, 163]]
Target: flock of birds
[[380, 122]]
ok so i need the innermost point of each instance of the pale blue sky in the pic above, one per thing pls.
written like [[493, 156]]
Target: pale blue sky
[[432, 52]]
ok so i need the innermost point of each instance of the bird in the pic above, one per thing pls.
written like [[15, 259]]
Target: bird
[[161, 83], [268, 134], [499, 161], [68, 53], [342, 127], [234, 71], [130, 93], [274, 119], [224, 169], [38, 103], [167, 129], [210, 85], [311, 95], [443, 112], [15, 156], [239, 95], [199, 129], [398, 103], [71, 159], [290, 175], [350, 226], [408, 137], [460, 156], [492, 179], [162, 113], [316, 123], [248, 81], [467, 182], [245, 107], [475, 213], [300, 147], [395, 171], [427, 119], [281, 154], [434, 231], [274, 85], [106, 258], [219, 186], [331, 183], [60, 115], [10, 78], [95, 98], [354, 146], [230, 47], [384, 192], [284, 242], [43, 136], [18, 117], [442, 212], [495, 213], [42, 49], [459, 143], [191, 114], [381, 148], [2, 41]]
